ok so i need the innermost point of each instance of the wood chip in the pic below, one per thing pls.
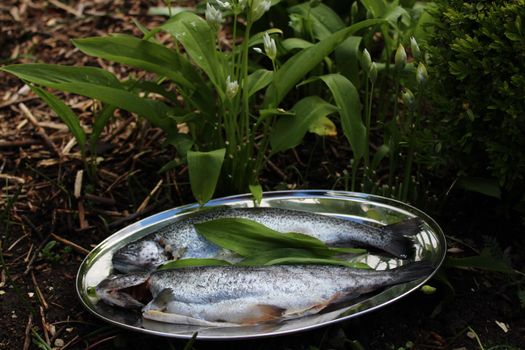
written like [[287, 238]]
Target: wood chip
[[78, 184]]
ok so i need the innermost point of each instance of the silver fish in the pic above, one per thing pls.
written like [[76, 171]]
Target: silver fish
[[180, 239], [240, 295]]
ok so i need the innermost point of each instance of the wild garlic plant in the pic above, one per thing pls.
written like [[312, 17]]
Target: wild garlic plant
[[400, 134], [219, 107]]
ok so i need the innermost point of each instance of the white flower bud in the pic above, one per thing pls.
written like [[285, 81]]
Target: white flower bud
[[416, 52], [269, 46], [366, 60], [421, 73], [213, 16], [232, 87], [259, 8], [225, 5], [401, 57]]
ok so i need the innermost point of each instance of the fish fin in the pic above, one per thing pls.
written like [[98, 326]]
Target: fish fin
[[263, 313], [399, 245], [408, 227], [162, 299], [166, 317], [314, 309]]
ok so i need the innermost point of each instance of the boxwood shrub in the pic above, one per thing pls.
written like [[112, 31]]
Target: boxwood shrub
[[477, 77]]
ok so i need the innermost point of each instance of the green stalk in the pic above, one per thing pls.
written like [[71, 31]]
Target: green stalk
[[367, 125], [368, 120]]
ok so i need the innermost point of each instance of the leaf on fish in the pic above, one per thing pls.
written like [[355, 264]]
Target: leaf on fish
[[174, 264], [248, 238], [264, 246]]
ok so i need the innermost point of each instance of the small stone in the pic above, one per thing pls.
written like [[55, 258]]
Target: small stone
[[59, 342]]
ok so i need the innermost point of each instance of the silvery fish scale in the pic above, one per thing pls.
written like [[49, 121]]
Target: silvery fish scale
[[430, 246]]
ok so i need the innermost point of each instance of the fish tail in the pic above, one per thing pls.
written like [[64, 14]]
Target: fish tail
[[412, 271], [399, 245], [408, 227]]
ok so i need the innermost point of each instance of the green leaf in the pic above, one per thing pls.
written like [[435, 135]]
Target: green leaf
[[295, 43], [317, 261], [295, 68], [137, 53], [95, 83], [346, 98], [381, 153], [484, 261], [176, 264], [323, 127], [100, 123], [347, 56], [64, 113], [198, 39], [488, 187], [248, 238], [182, 142], [204, 170], [289, 131], [257, 193], [289, 256], [258, 80], [323, 19]]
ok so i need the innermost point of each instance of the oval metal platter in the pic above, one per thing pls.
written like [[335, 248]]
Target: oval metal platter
[[430, 246]]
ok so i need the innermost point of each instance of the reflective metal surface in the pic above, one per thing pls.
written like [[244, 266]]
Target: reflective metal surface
[[430, 246]]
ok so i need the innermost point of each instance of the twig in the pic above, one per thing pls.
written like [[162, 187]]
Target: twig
[[35, 254], [12, 178], [39, 292], [12, 102], [66, 8], [129, 173], [99, 199], [130, 217], [70, 342], [27, 339], [44, 325], [82, 215], [38, 128], [94, 345], [275, 168], [69, 243], [144, 203]]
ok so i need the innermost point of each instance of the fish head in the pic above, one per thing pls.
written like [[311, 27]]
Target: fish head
[[140, 256], [129, 291]]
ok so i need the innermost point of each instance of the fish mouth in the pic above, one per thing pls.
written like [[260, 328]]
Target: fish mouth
[[126, 291]]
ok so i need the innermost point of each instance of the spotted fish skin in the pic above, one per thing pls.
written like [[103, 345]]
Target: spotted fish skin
[[241, 295], [180, 239]]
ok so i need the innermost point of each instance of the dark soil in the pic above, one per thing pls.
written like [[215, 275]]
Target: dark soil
[[38, 206]]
